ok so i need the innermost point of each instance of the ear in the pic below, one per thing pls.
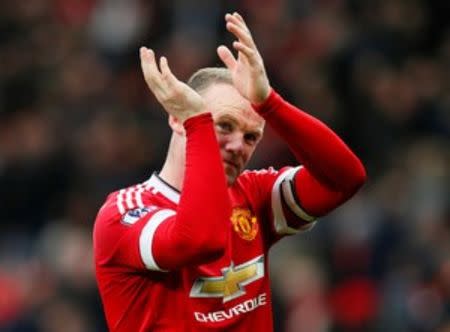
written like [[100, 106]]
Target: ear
[[176, 125]]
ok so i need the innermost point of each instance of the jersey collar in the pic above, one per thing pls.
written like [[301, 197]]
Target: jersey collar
[[161, 186]]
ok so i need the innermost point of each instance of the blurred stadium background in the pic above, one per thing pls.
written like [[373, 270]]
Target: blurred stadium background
[[77, 121]]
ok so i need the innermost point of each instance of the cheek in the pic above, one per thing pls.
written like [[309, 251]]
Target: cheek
[[222, 140], [248, 153]]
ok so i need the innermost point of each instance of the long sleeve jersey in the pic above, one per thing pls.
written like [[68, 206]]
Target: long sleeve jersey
[[196, 260]]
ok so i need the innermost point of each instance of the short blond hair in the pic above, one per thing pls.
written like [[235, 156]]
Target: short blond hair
[[205, 77]]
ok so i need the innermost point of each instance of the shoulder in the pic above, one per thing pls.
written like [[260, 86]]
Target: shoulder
[[127, 202], [254, 175], [260, 177], [121, 221], [124, 208], [257, 185]]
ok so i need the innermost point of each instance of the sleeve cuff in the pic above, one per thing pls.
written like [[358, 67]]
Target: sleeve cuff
[[197, 120], [269, 105]]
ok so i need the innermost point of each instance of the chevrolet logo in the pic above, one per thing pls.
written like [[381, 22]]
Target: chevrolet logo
[[231, 284]]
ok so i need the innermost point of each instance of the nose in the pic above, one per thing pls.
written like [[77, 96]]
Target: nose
[[235, 143]]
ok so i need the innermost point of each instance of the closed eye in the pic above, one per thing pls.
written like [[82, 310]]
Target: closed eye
[[225, 127]]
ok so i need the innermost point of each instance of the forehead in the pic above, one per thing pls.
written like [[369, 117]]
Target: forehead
[[224, 101]]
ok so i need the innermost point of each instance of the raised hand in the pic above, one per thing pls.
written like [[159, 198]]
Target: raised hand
[[248, 72], [177, 98]]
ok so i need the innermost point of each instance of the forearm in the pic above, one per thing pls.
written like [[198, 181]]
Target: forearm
[[198, 232], [323, 154]]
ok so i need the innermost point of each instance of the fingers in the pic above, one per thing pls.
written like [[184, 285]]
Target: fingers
[[236, 19], [162, 82], [227, 57], [149, 68], [167, 74], [242, 35], [236, 25], [177, 98], [245, 44], [241, 32], [239, 17], [250, 53]]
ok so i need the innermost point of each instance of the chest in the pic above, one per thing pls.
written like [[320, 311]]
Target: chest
[[246, 232], [243, 265]]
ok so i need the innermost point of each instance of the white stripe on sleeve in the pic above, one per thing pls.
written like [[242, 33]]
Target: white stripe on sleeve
[[139, 192], [288, 195], [120, 201], [146, 238], [283, 185], [129, 199]]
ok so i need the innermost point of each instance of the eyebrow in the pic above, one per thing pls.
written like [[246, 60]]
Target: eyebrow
[[259, 132]]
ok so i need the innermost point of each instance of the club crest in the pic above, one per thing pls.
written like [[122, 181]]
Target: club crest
[[244, 223]]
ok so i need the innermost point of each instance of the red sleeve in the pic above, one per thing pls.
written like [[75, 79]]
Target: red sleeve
[[331, 172], [197, 233]]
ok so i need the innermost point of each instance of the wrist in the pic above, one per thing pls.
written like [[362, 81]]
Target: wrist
[[262, 97], [198, 119], [270, 103], [192, 114], [261, 94]]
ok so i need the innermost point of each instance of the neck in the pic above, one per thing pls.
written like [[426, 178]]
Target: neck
[[173, 169]]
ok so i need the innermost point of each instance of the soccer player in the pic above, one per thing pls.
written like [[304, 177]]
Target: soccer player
[[187, 249]]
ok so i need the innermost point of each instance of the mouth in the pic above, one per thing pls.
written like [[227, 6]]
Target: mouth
[[231, 163]]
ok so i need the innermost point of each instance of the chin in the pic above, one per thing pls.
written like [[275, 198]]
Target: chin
[[230, 180], [231, 177]]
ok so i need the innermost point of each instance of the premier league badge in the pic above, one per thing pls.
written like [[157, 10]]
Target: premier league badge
[[132, 216]]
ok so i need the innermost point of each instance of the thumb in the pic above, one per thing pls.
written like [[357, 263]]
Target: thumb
[[227, 57]]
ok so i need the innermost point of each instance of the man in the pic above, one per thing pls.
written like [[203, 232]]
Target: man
[[187, 249]]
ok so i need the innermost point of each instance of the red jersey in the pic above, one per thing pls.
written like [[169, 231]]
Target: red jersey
[[226, 289], [220, 295]]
